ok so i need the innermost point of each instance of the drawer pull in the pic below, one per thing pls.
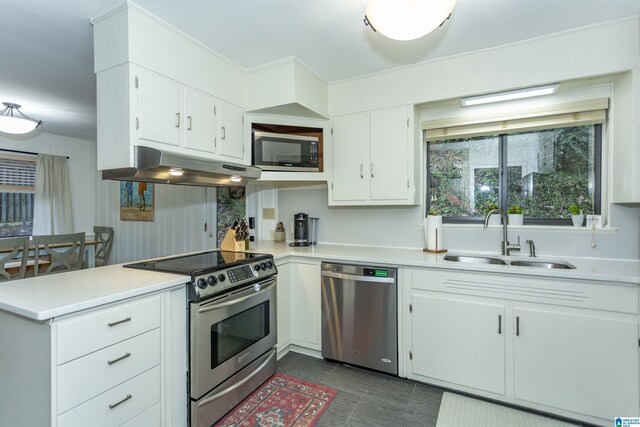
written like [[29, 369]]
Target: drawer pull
[[113, 405], [126, 319], [124, 356]]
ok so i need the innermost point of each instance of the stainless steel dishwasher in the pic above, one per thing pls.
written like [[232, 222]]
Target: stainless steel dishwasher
[[359, 316]]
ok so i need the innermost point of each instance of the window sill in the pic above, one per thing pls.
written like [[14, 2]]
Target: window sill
[[562, 228]]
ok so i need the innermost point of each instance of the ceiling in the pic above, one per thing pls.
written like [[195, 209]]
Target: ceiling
[[46, 46]]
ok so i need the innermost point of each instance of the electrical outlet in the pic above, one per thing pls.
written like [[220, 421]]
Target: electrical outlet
[[268, 213]]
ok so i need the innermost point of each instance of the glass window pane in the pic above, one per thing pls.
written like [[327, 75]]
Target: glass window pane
[[463, 175], [548, 170], [16, 214]]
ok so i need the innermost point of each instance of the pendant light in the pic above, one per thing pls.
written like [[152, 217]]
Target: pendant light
[[407, 19], [12, 120]]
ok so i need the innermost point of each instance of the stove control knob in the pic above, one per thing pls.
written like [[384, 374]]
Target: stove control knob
[[221, 277], [212, 281], [202, 283], [257, 267], [269, 264], [263, 265]]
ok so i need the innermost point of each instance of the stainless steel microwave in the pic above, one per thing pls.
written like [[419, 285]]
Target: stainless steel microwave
[[285, 152]]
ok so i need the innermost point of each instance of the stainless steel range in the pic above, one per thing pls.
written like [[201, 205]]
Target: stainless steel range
[[231, 327]]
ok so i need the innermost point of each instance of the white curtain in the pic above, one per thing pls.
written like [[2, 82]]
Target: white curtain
[[52, 212]]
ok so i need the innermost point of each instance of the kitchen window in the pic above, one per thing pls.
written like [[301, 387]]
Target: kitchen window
[[17, 188], [543, 164]]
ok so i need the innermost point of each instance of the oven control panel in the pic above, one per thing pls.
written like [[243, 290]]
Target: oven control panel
[[215, 282]]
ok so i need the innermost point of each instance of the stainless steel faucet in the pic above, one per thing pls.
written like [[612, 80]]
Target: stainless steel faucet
[[506, 247], [532, 248]]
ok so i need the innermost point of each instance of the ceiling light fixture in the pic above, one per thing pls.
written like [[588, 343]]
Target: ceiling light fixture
[[407, 19], [510, 95], [16, 124]]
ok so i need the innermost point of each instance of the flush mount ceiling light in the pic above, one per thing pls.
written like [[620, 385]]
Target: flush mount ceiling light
[[510, 95], [407, 19], [13, 121]]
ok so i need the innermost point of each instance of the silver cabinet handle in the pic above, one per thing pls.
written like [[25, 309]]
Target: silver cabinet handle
[[177, 120], [361, 170], [499, 324], [117, 359], [113, 405], [517, 326], [189, 126], [223, 135], [117, 322], [371, 170]]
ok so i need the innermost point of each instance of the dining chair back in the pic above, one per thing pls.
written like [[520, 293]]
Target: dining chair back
[[103, 251], [64, 251], [13, 259]]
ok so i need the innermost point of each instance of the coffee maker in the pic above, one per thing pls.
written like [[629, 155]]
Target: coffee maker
[[301, 229]]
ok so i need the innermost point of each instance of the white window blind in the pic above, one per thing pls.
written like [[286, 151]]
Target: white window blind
[[17, 173], [565, 115]]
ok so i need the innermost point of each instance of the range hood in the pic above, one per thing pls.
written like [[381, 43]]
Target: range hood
[[163, 167]]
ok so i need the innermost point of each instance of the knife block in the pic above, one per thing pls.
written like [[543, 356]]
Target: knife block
[[229, 242]]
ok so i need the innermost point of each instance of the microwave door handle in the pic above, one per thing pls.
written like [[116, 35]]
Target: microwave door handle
[[207, 308]]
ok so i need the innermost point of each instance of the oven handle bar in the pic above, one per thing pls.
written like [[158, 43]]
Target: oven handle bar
[[241, 382], [207, 308]]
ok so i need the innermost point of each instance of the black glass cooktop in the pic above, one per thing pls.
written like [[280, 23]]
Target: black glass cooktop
[[198, 263]]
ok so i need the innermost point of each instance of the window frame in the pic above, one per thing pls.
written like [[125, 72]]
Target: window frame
[[502, 179]]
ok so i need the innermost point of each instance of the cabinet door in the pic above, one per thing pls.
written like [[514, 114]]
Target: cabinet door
[[284, 305], [305, 305], [158, 108], [349, 182], [580, 363], [461, 342], [199, 116], [230, 131], [389, 154]]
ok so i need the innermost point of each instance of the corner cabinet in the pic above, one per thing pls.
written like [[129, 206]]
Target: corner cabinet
[[117, 365], [373, 158], [562, 346], [165, 114]]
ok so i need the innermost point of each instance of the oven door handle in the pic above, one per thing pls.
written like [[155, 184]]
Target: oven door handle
[[216, 306], [240, 383]]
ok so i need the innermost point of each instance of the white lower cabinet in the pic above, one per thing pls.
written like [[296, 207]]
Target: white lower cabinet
[[444, 330], [586, 363], [283, 296], [304, 285], [561, 346]]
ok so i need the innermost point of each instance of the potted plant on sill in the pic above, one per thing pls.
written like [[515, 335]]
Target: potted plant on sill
[[494, 219], [516, 215], [577, 216]]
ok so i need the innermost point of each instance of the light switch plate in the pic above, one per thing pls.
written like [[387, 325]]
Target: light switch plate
[[268, 213]]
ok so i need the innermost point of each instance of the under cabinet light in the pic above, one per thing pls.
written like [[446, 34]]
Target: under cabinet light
[[510, 95], [176, 171], [236, 178]]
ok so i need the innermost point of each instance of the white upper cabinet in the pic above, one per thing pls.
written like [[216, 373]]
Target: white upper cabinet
[[373, 158], [199, 127], [230, 131], [158, 108]]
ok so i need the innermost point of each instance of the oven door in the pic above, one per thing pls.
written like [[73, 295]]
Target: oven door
[[228, 333], [277, 152]]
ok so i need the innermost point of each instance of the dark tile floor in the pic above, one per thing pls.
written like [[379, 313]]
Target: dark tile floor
[[365, 398]]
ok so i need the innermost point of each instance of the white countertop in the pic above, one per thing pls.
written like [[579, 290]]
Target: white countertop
[[598, 269], [46, 297], [49, 296]]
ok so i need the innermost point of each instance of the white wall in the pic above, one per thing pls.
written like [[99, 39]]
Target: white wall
[[82, 167]]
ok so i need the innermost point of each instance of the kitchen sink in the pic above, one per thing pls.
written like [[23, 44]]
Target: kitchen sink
[[474, 259], [542, 264]]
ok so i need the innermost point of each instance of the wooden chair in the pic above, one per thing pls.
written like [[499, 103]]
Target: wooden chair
[[103, 250], [65, 251], [13, 264]]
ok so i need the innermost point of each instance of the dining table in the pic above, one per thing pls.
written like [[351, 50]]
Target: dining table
[[89, 251]]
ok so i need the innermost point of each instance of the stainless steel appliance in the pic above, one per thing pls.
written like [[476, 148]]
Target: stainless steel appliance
[[359, 316], [231, 327], [285, 152], [313, 230], [301, 229]]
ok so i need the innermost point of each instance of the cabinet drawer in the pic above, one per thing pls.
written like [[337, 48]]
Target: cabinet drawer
[[89, 332], [81, 379], [150, 417], [118, 405]]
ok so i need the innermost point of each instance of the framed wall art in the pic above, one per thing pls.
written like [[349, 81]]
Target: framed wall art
[[136, 201]]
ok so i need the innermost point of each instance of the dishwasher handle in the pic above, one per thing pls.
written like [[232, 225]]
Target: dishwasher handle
[[359, 278]]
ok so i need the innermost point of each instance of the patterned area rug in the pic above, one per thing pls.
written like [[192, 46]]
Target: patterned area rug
[[282, 401]]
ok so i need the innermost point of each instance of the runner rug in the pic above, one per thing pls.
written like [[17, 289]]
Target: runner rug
[[282, 401]]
